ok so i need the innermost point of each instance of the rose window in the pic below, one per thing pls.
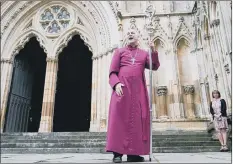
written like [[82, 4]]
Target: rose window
[[54, 19]]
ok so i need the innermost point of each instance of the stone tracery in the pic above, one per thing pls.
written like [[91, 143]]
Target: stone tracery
[[55, 19]]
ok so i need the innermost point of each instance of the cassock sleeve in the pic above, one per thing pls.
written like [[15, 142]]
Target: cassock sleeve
[[155, 61], [114, 69]]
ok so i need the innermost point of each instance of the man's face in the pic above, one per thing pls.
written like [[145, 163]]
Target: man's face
[[132, 37]]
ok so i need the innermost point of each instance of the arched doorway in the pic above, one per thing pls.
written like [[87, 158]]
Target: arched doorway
[[73, 94], [26, 91]]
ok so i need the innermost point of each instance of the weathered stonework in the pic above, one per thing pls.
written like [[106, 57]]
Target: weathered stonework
[[162, 90], [103, 26], [189, 89]]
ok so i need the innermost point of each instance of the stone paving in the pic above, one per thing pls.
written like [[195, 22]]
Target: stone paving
[[218, 157]]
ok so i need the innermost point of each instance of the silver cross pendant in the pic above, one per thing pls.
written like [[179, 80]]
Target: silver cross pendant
[[133, 60]]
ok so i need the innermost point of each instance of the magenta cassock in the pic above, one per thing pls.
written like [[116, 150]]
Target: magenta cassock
[[129, 116]]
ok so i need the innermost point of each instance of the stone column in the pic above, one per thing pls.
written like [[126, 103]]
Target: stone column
[[98, 100], [226, 22], [6, 76], [161, 92], [109, 89], [225, 61], [154, 106], [103, 93], [120, 29], [176, 89], [225, 90], [189, 103], [46, 122], [220, 42], [204, 112], [210, 62], [94, 95]]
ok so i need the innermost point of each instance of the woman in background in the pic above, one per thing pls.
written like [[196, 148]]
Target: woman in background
[[218, 109]]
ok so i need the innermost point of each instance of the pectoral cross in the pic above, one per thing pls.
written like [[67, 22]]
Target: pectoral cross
[[133, 60]]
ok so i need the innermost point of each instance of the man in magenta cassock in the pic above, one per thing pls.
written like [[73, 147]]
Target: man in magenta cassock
[[129, 115]]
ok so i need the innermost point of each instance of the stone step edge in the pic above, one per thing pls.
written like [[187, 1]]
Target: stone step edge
[[186, 149], [168, 132], [103, 140], [96, 138]]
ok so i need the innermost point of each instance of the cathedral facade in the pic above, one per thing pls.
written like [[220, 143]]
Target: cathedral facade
[[55, 58]]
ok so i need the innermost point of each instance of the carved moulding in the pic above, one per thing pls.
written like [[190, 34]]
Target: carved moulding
[[102, 23], [64, 42], [161, 90], [227, 69], [51, 59], [182, 30], [24, 39], [9, 61], [206, 37], [14, 15], [189, 89], [111, 49], [215, 22]]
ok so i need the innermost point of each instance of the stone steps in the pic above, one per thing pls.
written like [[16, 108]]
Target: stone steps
[[7, 138], [181, 149], [99, 139], [169, 132], [94, 142], [100, 144]]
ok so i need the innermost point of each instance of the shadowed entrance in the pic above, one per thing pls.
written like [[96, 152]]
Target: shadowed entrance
[[26, 92], [73, 95]]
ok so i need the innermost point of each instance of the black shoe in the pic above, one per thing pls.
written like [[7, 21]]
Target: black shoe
[[117, 159], [135, 158]]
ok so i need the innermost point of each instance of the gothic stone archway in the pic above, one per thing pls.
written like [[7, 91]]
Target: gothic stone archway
[[98, 30], [72, 108], [26, 91]]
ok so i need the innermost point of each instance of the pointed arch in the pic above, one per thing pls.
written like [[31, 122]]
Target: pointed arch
[[186, 38], [163, 42], [182, 30], [67, 36], [23, 39], [101, 26]]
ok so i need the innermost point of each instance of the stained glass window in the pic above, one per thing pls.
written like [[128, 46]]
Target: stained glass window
[[54, 19]]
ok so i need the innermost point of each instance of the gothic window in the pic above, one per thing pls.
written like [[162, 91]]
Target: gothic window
[[54, 19]]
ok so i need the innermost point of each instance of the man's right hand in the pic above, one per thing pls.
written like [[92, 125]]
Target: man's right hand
[[118, 89]]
